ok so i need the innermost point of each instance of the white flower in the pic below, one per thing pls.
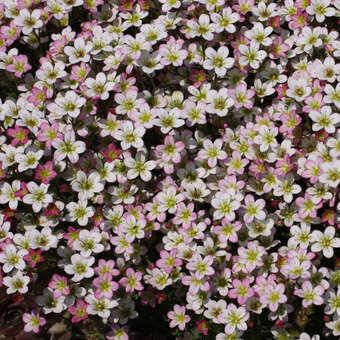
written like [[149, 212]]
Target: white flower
[[123, 194], [28, 20], [100, 87], [330, 173], [263, 11], [305, 336], [169, 4], [217, 60], [100, 307], [50, 73], [332, 94], [235, 318], [108, 126], [325, 119], [168, 120], [80, 267], [311, 295], [157, 278], [68, 147], [298, 88], [80, 51], [320, 9], [225, 20], [334, 325], [215, 310], [87, 186], [5, 229], [153, 32], [124, 312], [69, 104], [260, 34], [16, 283], [309, 38], [266, 138], [28, 160], [128, 102], [286, 188], [325, 241], [11, 257], [150, 62], [130, 135], [202, 27], [251, 55], [101, 40], [225, 206], [9, 154], [219, 102], [7, 194], [132, 228], [212, 151], [43, 239], [327, 70], [168, 199], [196, 191], [37, 196], [49, 303], [263, 89], [105, 170], [140, 167], [301, 235], [79, 211], [333, 302], [88, 243]]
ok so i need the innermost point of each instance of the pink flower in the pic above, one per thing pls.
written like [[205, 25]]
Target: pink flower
[[178, 317], [278, 48], [168, 260], [33, 257], [253, 209], [328, 216], [242, 96], [111, 153], [227, 231], [79, 72], [311, 295], [131, 281], [105, 286], [298, 20], [117, 333], [202, 326], [38, 95], [92, 5], [307, 206], [33, 321], [45, 173], [19, 65], [126, 5], [198, 77], [19, 134], [49, 133], [51, 210], [79, 311], [312, 169], [273, 295], [242, 291], [11, 32], [59, 285], [71, 236]]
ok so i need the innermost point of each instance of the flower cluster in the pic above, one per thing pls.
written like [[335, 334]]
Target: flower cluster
[[172, 165]]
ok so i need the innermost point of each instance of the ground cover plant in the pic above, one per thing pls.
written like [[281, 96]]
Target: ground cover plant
[[169, 169]]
